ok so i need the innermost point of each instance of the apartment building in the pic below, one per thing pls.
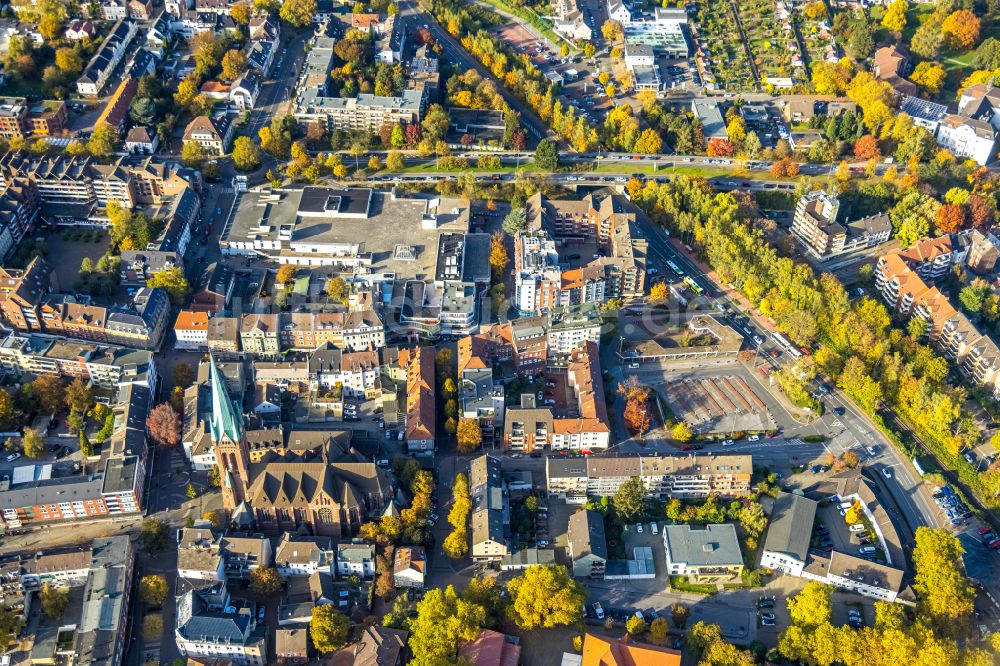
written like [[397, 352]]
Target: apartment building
[[213, 133], [490, 510], [97, 72], [421, 408], [706, 553], [356, 373], [815, 225], [551, 263], [904, 278], [213, 625], [28, 305], [104, 365], [481, 398], [69, 186], [19, 119], [365, 112], [97, 609], [587, 545], [577, 478], [585, 424], [972, 131], [32, 495]]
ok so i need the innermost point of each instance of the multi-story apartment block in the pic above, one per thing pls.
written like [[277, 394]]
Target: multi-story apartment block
[[69, 182], [815, 225], [27, 305], [13, 117], [905, 278], [259, 334], [481, 398], [490, 509], [357, 373], [421, 409], [365, 112], [576, 478], [30, 497]]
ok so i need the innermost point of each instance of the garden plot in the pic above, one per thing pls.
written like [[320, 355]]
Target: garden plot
[[771, 40], [818, 40], [722, 56], [718, 404]]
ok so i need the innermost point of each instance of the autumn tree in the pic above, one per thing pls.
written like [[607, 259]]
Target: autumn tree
[[153, 589], [635, 625], [338, 289], [943, 591], [498, 256], [103, 142], [79, 395], [456, 544], [960, 30], [328, 627], [265, 582], [719, 148], [234, 64], [53, 600], [394, 161], [659, 293], [950, 218], [173, 281], [33, 444], [543, 597], [153, 535], [895, 16], [636, 413], [469, 435], [50, 391], [929, 76], [286, 274], [867, 148], [246, 155], [681, 432], [163, 424]]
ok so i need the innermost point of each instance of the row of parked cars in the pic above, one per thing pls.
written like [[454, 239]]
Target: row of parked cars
[[954, 509]]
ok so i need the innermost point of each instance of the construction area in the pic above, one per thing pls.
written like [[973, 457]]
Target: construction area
[[718, 405]]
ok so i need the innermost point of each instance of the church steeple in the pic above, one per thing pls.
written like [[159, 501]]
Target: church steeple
[[225, 423]]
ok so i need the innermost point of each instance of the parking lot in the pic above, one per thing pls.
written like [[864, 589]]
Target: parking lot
[[718, 404]]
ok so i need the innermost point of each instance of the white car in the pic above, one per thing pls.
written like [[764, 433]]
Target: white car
[[753, 438], [871, 450], [856, 527], [886, 472], [638, 528], [653, 528], [728, 442]]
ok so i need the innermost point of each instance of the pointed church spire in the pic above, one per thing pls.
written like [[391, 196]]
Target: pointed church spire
[[225, 423]]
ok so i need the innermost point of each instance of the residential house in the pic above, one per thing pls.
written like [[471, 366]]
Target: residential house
[[706, 553], [789, 530], [602, 651], [378, 646], [213, 625], [140, 141], [355, 559], [421, 409], [98, 70], [491, 648], [409, 567], [587, 545], [291, 646], [302, 556], [890, 64], [244, 91], [213, 134]]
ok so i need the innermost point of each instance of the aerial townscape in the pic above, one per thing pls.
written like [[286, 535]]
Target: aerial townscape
[[499, 333]]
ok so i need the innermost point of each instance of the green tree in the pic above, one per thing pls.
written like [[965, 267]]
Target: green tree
[[53, 600], [191, 491], [862, 41], [435, 123], [546, 155], [246, 155], [153, 589], [265, 582], [79, 395], [515, 221], [172, 281], [913, 216], [545, 596], [658, 629], [193, 155], [153, 535], [328, 627], [630, 500]]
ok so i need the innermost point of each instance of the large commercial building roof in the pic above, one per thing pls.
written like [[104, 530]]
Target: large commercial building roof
[[791, 526]]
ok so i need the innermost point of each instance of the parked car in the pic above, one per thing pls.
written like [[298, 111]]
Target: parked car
[[886, 472], [767, 622], [764, 602], [753, 438], [871, 450], [12, 457], [653, 528], [638, 528], [598, 611], [767, 615], [867, 550], [856, 527]]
